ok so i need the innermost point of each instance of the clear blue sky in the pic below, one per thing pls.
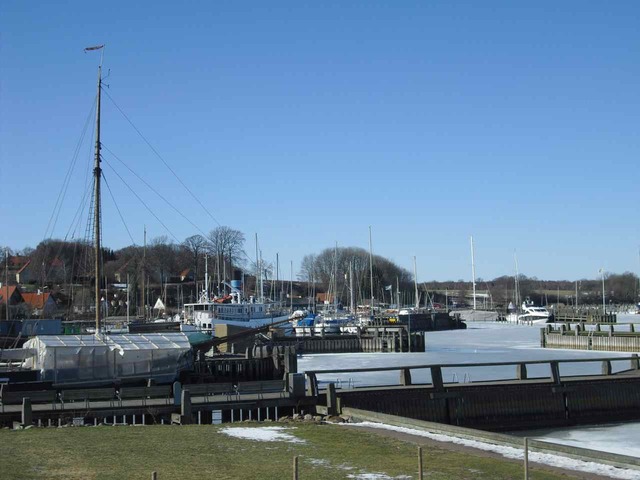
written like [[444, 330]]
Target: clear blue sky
[[306, 122]]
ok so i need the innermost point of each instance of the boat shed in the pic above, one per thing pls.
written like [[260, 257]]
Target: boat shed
[[108, 358]]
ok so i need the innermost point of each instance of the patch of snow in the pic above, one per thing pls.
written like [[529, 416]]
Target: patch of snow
[[514, 453], [615, 438], [375, 476], [262, 434]]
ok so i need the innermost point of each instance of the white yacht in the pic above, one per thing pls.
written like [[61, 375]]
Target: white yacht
[[530, 314]]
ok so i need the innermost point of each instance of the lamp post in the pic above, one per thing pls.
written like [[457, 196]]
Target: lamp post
[[604, 305]]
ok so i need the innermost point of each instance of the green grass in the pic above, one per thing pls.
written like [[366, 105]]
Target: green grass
[[196, 452]]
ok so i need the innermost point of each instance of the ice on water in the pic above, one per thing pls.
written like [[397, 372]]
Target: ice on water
[[482, 343]]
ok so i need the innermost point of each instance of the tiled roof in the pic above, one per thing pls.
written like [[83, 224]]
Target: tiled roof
[[7, 292], [36, 300], [21, 269]]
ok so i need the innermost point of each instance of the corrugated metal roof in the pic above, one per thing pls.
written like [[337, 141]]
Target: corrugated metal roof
[[149, 341]]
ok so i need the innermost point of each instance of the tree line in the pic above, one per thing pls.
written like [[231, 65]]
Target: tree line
[[59, 262]]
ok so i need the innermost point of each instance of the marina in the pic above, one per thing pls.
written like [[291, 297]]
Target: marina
[[245, 231]]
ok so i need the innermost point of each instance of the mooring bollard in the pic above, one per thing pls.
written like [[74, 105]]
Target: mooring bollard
[[420, 471], [526, 458], [295, 468]]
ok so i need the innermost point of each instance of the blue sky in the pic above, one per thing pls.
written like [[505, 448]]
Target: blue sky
[[306, 122]]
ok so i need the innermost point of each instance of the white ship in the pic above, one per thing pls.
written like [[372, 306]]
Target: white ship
[[231, 309], [530, 314]]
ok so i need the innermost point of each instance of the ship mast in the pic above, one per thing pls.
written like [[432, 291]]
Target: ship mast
[[473, 273], [97, 171]]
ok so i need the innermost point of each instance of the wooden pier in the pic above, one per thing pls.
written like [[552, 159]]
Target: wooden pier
[[522, 402], [584, 316], [380, 339], [262, 384], [519, 400], [607, 338]]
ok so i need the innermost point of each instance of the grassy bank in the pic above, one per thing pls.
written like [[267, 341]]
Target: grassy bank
[[195, 452]]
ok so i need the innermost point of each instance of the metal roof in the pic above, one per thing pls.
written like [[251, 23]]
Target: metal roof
[[148, 341]]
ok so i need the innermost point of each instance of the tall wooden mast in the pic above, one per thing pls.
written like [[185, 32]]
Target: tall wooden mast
[[97, 172]]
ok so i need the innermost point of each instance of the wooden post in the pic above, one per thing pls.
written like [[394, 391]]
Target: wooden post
[[312, 385], [185, 407], [521, 371], [295, 468], [526, 458], [27, 418], [555, 372], [154, 475], [405, 376], [436, 378], [331, 399], [420, 471]]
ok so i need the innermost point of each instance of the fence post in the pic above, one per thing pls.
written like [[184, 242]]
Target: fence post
[[405, 376], [635, 363], [521, 370], [295, 468], [26, 413], [436, 378], [331, 399], [526, 458], [555, 372], [420, 471], [154, 475]]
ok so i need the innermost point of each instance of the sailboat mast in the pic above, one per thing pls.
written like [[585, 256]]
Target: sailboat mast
[[371, 269], [144, 274], [415, 282], [6, 281], [352, 304], [517, 292], [335, 276], [206, 276], [473, 273], [257, 269], [97, 172]]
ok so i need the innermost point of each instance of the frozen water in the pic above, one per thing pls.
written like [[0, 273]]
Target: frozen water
[[482, 343]]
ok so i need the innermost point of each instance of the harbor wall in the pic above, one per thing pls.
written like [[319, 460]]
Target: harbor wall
[[500, 405], [608, 338], [377, 339], [584, 316]]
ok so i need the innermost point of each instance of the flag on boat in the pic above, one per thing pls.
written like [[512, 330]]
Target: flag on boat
[[387, 288], [97, 47]]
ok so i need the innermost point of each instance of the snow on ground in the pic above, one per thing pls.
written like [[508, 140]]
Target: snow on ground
[[614, 438], [514, 453], [488, 342], [375, 476], [262, 434]]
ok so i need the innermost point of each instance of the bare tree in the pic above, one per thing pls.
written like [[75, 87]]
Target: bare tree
[[196, 246], [321, 268], [162, 258], [226, 246]]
